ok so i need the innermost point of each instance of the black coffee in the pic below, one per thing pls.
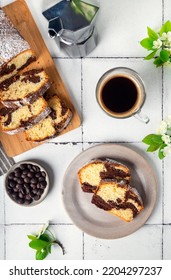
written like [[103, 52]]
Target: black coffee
[[119, 94]]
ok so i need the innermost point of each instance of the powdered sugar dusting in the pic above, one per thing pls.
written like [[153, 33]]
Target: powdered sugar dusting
[[11, 42]]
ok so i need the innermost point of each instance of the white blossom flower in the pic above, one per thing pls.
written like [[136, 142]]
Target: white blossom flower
[[166, 139], [167, 150], [157, 44], [42, 229], [167, 63], [166, 36], [167, 44], [169, 36], [162, 128], [165, 127], [166, 49], [168, 121]]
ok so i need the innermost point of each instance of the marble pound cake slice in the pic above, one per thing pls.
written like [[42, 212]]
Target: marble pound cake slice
[[91, 174], [24, 88], [16, 64], [16, 120], [118, 199], [52, 125]]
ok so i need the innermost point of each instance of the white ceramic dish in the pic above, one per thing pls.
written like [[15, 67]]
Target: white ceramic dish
[[35, 202], [95, 221]]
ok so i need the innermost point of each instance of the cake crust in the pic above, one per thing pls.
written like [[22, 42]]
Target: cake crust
[[92, 173]]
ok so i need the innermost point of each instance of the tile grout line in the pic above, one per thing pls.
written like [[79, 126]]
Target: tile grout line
[[163, 209], [104, 57], [94, 142], [4, 226], [71, 224], [163, 8], [162, 110], [82, 137], [39, 224], [162, 248], [83, 252], [82, 131]]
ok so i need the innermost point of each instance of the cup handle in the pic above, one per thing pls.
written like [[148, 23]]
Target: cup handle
[[142, 117]]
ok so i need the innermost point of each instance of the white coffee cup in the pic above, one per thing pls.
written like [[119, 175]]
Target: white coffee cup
[[120, 92]]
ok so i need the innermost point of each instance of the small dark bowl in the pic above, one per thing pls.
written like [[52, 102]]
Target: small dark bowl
[[27, 183]]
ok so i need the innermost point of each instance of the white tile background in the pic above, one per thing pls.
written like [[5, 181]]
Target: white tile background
[[60, 231], [121, 25], [113, 249]]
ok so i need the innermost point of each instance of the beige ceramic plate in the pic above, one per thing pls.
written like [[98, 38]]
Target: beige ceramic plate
[[95, 221]]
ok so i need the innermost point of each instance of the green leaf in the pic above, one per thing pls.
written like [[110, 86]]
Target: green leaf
[[152, 139], [157, 139], [152, 34], [49, 247], [166, 27], [151, 55], [153, 147], [164, 55], [38, 244], [147, 43], [45, 237], [160, 153], [41, 254], [32, 237], [148, 139], [158, 62], [43, 244]]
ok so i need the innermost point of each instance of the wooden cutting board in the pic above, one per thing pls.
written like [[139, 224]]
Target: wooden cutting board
[[19, 14]]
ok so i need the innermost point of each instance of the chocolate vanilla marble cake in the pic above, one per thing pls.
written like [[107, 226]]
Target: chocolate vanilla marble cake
[[24, 88], [53, 124], [21, 92], [16, 64], [92, 173], [118, 199], [16, 120]]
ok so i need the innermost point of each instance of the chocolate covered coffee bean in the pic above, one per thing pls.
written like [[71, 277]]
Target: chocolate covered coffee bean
[[26, 183]]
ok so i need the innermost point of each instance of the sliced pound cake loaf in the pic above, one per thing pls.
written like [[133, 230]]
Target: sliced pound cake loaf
[[52, 125], [118, 199], [24, 89], [16, 64], [92, 173], [16, 120]]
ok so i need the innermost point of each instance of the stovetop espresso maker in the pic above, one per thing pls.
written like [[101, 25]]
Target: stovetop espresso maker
[[72, 25]]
